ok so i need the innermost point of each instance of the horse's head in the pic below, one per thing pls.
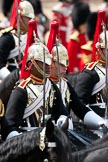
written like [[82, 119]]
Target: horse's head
[[48, 144], [54, 144]]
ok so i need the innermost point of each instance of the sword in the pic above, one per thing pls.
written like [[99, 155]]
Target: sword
[[44, 78], [106, 59], [59, 77], [18, 31]]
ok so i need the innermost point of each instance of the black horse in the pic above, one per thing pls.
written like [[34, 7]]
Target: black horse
[[96, 152], [48, 144]]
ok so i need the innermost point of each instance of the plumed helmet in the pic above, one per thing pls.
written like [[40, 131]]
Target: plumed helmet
[[60, 52], [37, 51], [26, 9], [80, 13], [101, 43]]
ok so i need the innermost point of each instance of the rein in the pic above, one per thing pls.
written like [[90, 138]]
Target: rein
[[43, 143]]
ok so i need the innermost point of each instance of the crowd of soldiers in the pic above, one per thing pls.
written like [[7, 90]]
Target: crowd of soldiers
[[33, 86]]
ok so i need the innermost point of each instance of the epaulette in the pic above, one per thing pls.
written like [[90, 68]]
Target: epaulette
[[91, 65], [74, 36], [87, 46], [24, 83], [6, 30]]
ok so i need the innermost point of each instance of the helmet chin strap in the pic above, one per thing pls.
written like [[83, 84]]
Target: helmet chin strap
[[24, 27], [38, 68]]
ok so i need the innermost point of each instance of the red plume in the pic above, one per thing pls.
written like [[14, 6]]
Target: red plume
[[53, 34], [100, 20], [32, 26], [14, 14]]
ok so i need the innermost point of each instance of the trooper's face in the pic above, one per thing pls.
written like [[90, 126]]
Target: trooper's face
[[38, 69], [41, 65], [24, 23], [61, 67]]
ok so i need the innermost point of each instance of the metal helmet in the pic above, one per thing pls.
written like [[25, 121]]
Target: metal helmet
[[101, 42], [62, 54], [26, 9], [37, 51]]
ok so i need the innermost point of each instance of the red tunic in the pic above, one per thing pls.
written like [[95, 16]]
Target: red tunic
[[86, 52], [61, 13], [74, 51]]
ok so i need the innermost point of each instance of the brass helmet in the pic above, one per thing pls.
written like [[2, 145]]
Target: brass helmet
[[62, 54], [101, 42], [26, 9], [37, 52]]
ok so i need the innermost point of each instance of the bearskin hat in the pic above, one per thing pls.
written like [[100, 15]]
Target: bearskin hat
[[91, 25], [80, 13], [6, 6]]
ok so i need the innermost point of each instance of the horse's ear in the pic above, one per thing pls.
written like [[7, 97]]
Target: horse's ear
[[49, 128]]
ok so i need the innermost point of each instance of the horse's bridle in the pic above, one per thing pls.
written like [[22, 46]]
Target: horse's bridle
[[43, 143]]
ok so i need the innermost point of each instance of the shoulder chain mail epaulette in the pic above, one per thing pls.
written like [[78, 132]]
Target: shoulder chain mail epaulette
[[24, 83], [6, 30], [91, 65]]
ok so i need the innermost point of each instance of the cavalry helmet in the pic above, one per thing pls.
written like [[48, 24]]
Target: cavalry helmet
[[26, 9], [62, 54], [37, 51]]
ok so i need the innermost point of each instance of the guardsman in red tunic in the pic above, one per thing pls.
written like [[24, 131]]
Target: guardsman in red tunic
[[62, 13], [87, 48], [13, 38], [78, 36]]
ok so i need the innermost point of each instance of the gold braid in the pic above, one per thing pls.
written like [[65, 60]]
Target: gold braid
[[1, 108], [37, 67]]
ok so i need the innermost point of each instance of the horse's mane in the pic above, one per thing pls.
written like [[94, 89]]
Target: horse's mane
[[20, 147], [25, 147]]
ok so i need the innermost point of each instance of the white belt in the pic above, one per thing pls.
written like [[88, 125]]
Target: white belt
[[101, 105]]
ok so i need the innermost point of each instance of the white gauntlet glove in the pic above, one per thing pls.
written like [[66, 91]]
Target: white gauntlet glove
[[93, 121], [62, 120]]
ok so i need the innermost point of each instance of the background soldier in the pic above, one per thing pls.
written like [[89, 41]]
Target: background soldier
[[10, 54], [6, 10], [80, 13], [87, 49], [62, 13], [90, 86]]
